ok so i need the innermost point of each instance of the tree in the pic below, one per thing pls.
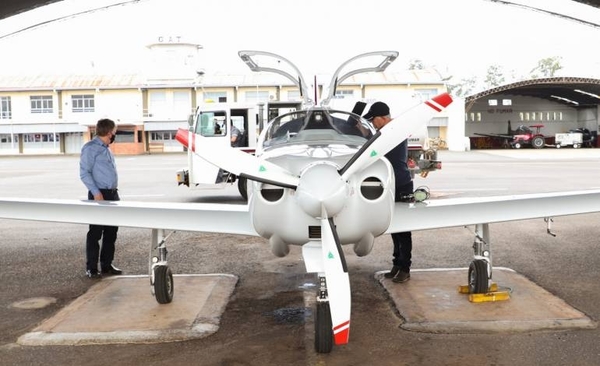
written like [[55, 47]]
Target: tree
[[463, 88], [416, 64], [495, 77], [546, 67]]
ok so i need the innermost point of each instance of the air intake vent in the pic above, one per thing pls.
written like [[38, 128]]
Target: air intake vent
[[371, 188], [314, 232]]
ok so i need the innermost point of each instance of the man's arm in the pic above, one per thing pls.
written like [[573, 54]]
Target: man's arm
[[86, 164]]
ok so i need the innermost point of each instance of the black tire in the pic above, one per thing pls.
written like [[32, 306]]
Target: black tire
[[163, 284], [243, 187], [323, 328], [478, 277], [538, 142]]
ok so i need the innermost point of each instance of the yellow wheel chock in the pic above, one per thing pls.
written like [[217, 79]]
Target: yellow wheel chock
[[491, 296]]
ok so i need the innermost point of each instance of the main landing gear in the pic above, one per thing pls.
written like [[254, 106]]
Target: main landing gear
[[161, 277], [480, 286]]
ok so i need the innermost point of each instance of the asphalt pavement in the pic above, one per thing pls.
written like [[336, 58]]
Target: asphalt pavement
[[267, 321]]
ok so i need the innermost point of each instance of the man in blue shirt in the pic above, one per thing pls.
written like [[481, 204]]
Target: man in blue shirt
[[379, 116], [98, 171]]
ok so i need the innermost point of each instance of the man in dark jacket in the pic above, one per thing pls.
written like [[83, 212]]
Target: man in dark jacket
[[379, 116]]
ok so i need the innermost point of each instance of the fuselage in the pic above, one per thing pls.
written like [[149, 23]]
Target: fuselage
[[315, 150]]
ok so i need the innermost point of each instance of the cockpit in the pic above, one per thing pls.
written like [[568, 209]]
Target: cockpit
[[317, 126]]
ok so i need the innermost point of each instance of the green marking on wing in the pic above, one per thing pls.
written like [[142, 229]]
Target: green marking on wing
[[373, 153]]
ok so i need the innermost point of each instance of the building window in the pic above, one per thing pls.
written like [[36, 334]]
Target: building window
[[426, 94], [257, 96], [82, 103], [182, 102], [162, 136], [215, 97], [5, 108], [157, 104], [41, 104], [41, 137], [293, 95], [342, 94]]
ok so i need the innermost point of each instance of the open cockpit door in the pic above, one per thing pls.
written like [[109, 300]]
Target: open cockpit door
[[382, 59], [269, 62]]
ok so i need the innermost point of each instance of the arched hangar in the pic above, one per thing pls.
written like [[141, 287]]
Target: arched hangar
[[547, 106]]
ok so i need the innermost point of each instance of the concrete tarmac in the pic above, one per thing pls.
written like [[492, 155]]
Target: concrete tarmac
[[266, 320]]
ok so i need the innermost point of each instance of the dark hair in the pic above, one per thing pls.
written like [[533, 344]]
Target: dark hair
[[105, 126]]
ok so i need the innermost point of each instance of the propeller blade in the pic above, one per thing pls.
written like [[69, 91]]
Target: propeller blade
[[392, 134], [241, 163], [338, 282]]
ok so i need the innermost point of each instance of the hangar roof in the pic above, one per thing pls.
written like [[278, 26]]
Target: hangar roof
[[12, 7], [572, 91]]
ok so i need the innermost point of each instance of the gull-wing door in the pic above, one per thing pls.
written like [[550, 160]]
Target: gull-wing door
[[376, 61], [261, 61]]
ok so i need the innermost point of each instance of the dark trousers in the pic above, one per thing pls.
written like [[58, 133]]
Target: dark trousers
[[403, 241], [95, 233]]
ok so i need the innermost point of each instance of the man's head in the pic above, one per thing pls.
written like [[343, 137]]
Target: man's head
[[106, 129], [378, 114]]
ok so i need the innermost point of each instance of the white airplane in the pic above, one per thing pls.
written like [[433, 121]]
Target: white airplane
[[319, 180]]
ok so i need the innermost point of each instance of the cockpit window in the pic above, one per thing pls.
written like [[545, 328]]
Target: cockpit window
[[317, 127]]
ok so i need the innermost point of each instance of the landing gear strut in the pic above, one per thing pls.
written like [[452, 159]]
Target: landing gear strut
[[161, 277]]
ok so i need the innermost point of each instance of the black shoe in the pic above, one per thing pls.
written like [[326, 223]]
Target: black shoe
[[392, 273], [93, 274], [401, 277], [112, 270]]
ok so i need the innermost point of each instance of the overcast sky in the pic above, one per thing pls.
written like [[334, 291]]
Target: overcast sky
[[460, 37]]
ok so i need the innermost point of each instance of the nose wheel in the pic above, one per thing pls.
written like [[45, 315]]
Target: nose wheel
[[323, 324]]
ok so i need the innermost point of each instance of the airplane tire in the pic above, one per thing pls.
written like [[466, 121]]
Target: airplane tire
[[243, 187], [478, 277], [163, 284], [537, 142], [323, 328]]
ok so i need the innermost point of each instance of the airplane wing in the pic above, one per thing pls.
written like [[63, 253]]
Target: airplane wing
[[442, 213], [215, 218]]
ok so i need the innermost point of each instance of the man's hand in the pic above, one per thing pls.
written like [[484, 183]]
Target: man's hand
[[99, 197]]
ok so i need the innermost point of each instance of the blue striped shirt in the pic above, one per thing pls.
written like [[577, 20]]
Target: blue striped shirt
[[97, 167]]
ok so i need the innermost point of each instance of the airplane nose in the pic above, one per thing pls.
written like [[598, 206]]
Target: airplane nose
[[321, 186]]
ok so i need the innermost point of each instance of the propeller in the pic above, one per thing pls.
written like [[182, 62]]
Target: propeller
[[393, 133]]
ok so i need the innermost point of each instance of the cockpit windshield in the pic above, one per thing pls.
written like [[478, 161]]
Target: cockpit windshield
[[317, 126]]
